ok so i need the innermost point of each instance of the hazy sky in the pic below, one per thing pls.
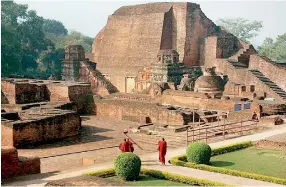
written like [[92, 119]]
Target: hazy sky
[[89, 17]]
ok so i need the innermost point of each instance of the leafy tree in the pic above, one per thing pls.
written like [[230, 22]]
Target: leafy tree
[[25, 38], [51, 62], [241, 28], [22, 37], [73, 38], [275, 50], [11, 53], [54, 27]]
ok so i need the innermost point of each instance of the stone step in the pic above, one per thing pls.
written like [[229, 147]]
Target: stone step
[[281, 94], [275, 87], [256, 72]]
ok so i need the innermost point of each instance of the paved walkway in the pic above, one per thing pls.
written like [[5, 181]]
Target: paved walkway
[[151, 161]]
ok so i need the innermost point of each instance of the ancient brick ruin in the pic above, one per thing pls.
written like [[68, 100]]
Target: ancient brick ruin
[[133, 35], [75, 67], [37, 111], [164, 64]]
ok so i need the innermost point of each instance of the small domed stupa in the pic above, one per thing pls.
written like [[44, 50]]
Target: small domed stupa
[[209, 82]]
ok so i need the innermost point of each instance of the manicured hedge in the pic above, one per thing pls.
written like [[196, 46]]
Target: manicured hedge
[[160, 175], [179, 178], [181, 160], [231, 148], [102, 173]]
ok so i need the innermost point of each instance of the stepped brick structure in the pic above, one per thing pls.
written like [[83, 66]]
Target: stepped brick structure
[[75, 67], [23, 91], [133, 35]]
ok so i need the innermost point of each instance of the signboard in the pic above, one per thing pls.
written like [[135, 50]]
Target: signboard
[[247, 106], [237, 107]]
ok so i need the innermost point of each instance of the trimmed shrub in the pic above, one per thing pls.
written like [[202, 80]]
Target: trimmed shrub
[[127, 166], [199, 153]]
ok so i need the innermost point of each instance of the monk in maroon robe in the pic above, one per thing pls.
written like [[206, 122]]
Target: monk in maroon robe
[[123, 146], [162, 148], [130, 145]]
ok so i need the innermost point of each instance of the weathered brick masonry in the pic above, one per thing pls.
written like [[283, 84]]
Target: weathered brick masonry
[[134, 34], [12, 165], [19, 91], [137, 111], [39, 125]]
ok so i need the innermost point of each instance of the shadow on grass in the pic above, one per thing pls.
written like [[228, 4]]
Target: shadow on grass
[[221, 163]]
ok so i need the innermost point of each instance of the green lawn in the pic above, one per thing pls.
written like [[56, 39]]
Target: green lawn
[[254, 160], [146, 181]]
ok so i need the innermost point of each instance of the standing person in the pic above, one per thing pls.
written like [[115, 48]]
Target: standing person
[[162, 148], [123, 146], [130, 145]]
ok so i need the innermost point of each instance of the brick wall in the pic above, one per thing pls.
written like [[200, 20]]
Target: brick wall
[[80, 94], [138, 112], [8, 90], [12, 165], [46, 127], [24, 92], [196, 100], [6, 134], [9, 162]]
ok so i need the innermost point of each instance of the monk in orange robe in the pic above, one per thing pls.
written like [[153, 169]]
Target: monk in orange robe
[[162, 148]]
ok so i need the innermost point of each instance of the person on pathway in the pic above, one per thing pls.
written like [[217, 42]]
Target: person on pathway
[[162, 148], [130, 145], [124, 146]]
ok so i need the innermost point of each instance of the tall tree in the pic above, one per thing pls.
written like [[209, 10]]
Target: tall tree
[[241, 28], [275, 50], [22, 37], [11, 53], [54, 27]]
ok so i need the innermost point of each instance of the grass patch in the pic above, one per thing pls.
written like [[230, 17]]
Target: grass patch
[[145, 181], [225, 166], [262, 161]]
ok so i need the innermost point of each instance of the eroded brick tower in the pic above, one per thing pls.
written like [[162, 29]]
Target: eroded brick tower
[[74, 54]]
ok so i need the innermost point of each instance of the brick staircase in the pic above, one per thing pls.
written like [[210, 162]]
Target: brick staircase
[[241, 59], [236, 64], [269, 83]]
